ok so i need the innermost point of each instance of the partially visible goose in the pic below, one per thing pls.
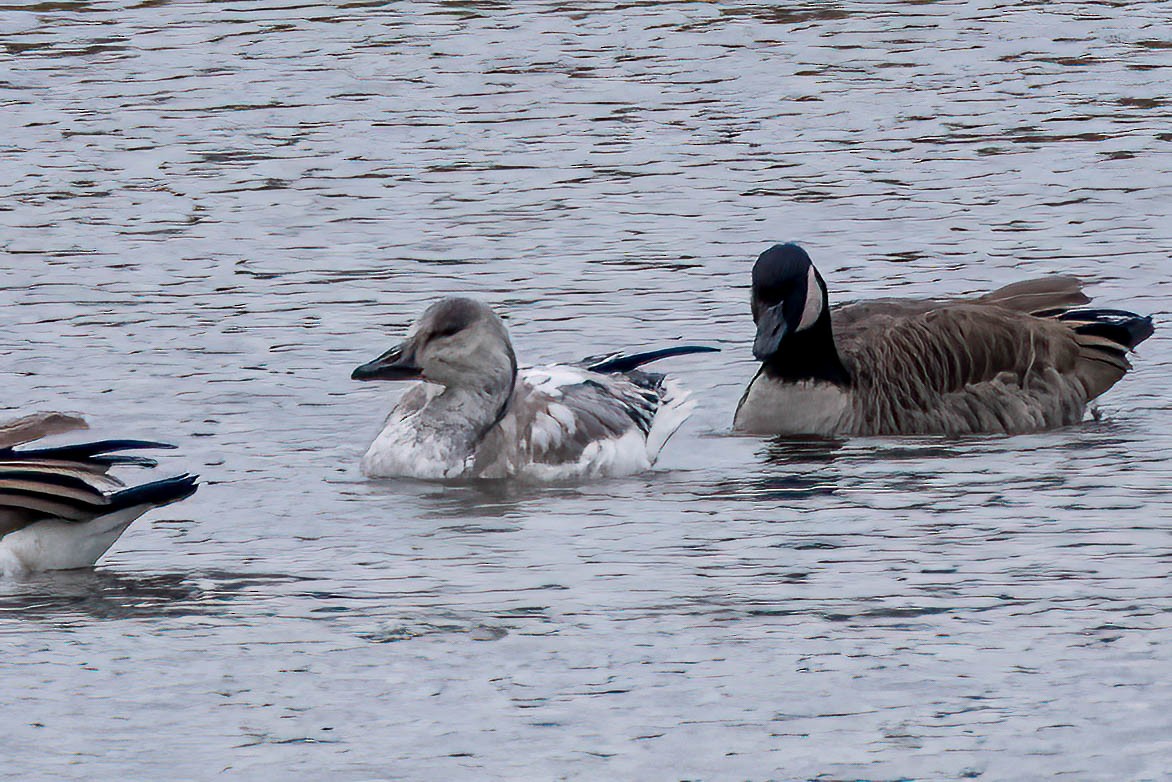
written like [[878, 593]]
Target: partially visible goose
[[476, 415], [59, 507], [1020, 359]]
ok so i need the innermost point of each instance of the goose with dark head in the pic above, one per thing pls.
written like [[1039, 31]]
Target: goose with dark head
[[792, 311], [1023, 358]]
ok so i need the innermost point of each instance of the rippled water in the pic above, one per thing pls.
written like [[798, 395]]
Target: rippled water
[[211, 211]]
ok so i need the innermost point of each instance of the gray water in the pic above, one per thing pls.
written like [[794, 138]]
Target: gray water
[[212, 211]]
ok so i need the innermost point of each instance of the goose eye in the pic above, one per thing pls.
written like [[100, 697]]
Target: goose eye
[[447, 331]]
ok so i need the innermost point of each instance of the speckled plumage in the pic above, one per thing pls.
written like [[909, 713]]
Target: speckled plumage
[[476, 415]]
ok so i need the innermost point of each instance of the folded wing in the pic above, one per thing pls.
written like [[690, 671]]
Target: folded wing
[[573, 414], [953, 366]]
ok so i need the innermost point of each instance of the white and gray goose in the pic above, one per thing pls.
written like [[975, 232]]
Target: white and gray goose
[[1023, 358], [477, 415], [60, 508]]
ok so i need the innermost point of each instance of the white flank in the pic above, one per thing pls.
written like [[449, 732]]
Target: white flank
[[399, 451], [53, 544], [802, 408], [614, 456]]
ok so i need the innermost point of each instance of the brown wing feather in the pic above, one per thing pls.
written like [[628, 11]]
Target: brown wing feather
[[963, 368], [1039, 295], [33, 488], [1054, 292], [35, 508], [70, 483], [38, 425]]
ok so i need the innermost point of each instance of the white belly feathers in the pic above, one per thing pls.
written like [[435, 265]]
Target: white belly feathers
[[793, 408]]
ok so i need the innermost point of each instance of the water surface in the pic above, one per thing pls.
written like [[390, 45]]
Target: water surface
[[211, 211]]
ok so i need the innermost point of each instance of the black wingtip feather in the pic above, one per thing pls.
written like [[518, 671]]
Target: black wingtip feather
[[156, 493], [619, 364], [89, 450], [127, 461], [1141, 329]]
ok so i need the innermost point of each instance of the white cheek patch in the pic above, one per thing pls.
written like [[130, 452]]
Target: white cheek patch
[[813, 309]]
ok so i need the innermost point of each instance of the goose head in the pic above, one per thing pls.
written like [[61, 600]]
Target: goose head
[[789, 298], [456, 343]]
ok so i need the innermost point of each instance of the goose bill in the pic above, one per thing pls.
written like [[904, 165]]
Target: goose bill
[[398, 363], [771, 330]]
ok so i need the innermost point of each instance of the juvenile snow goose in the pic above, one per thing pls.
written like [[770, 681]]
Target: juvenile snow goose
[[1023, 358], [59, 507], [476, 415]]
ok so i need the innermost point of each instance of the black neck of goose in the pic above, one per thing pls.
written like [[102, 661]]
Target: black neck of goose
[[808, 355]]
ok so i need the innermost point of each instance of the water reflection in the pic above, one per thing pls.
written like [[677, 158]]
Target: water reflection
[[406, 629], [66, 597], [816, 450], [490, 499]]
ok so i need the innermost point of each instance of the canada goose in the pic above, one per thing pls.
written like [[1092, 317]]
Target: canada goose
[[59, 507], [476, 415], [1019, 359]]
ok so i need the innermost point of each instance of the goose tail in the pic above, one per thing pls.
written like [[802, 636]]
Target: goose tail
[[1124, 329], [1104, 338], [156, 493]]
